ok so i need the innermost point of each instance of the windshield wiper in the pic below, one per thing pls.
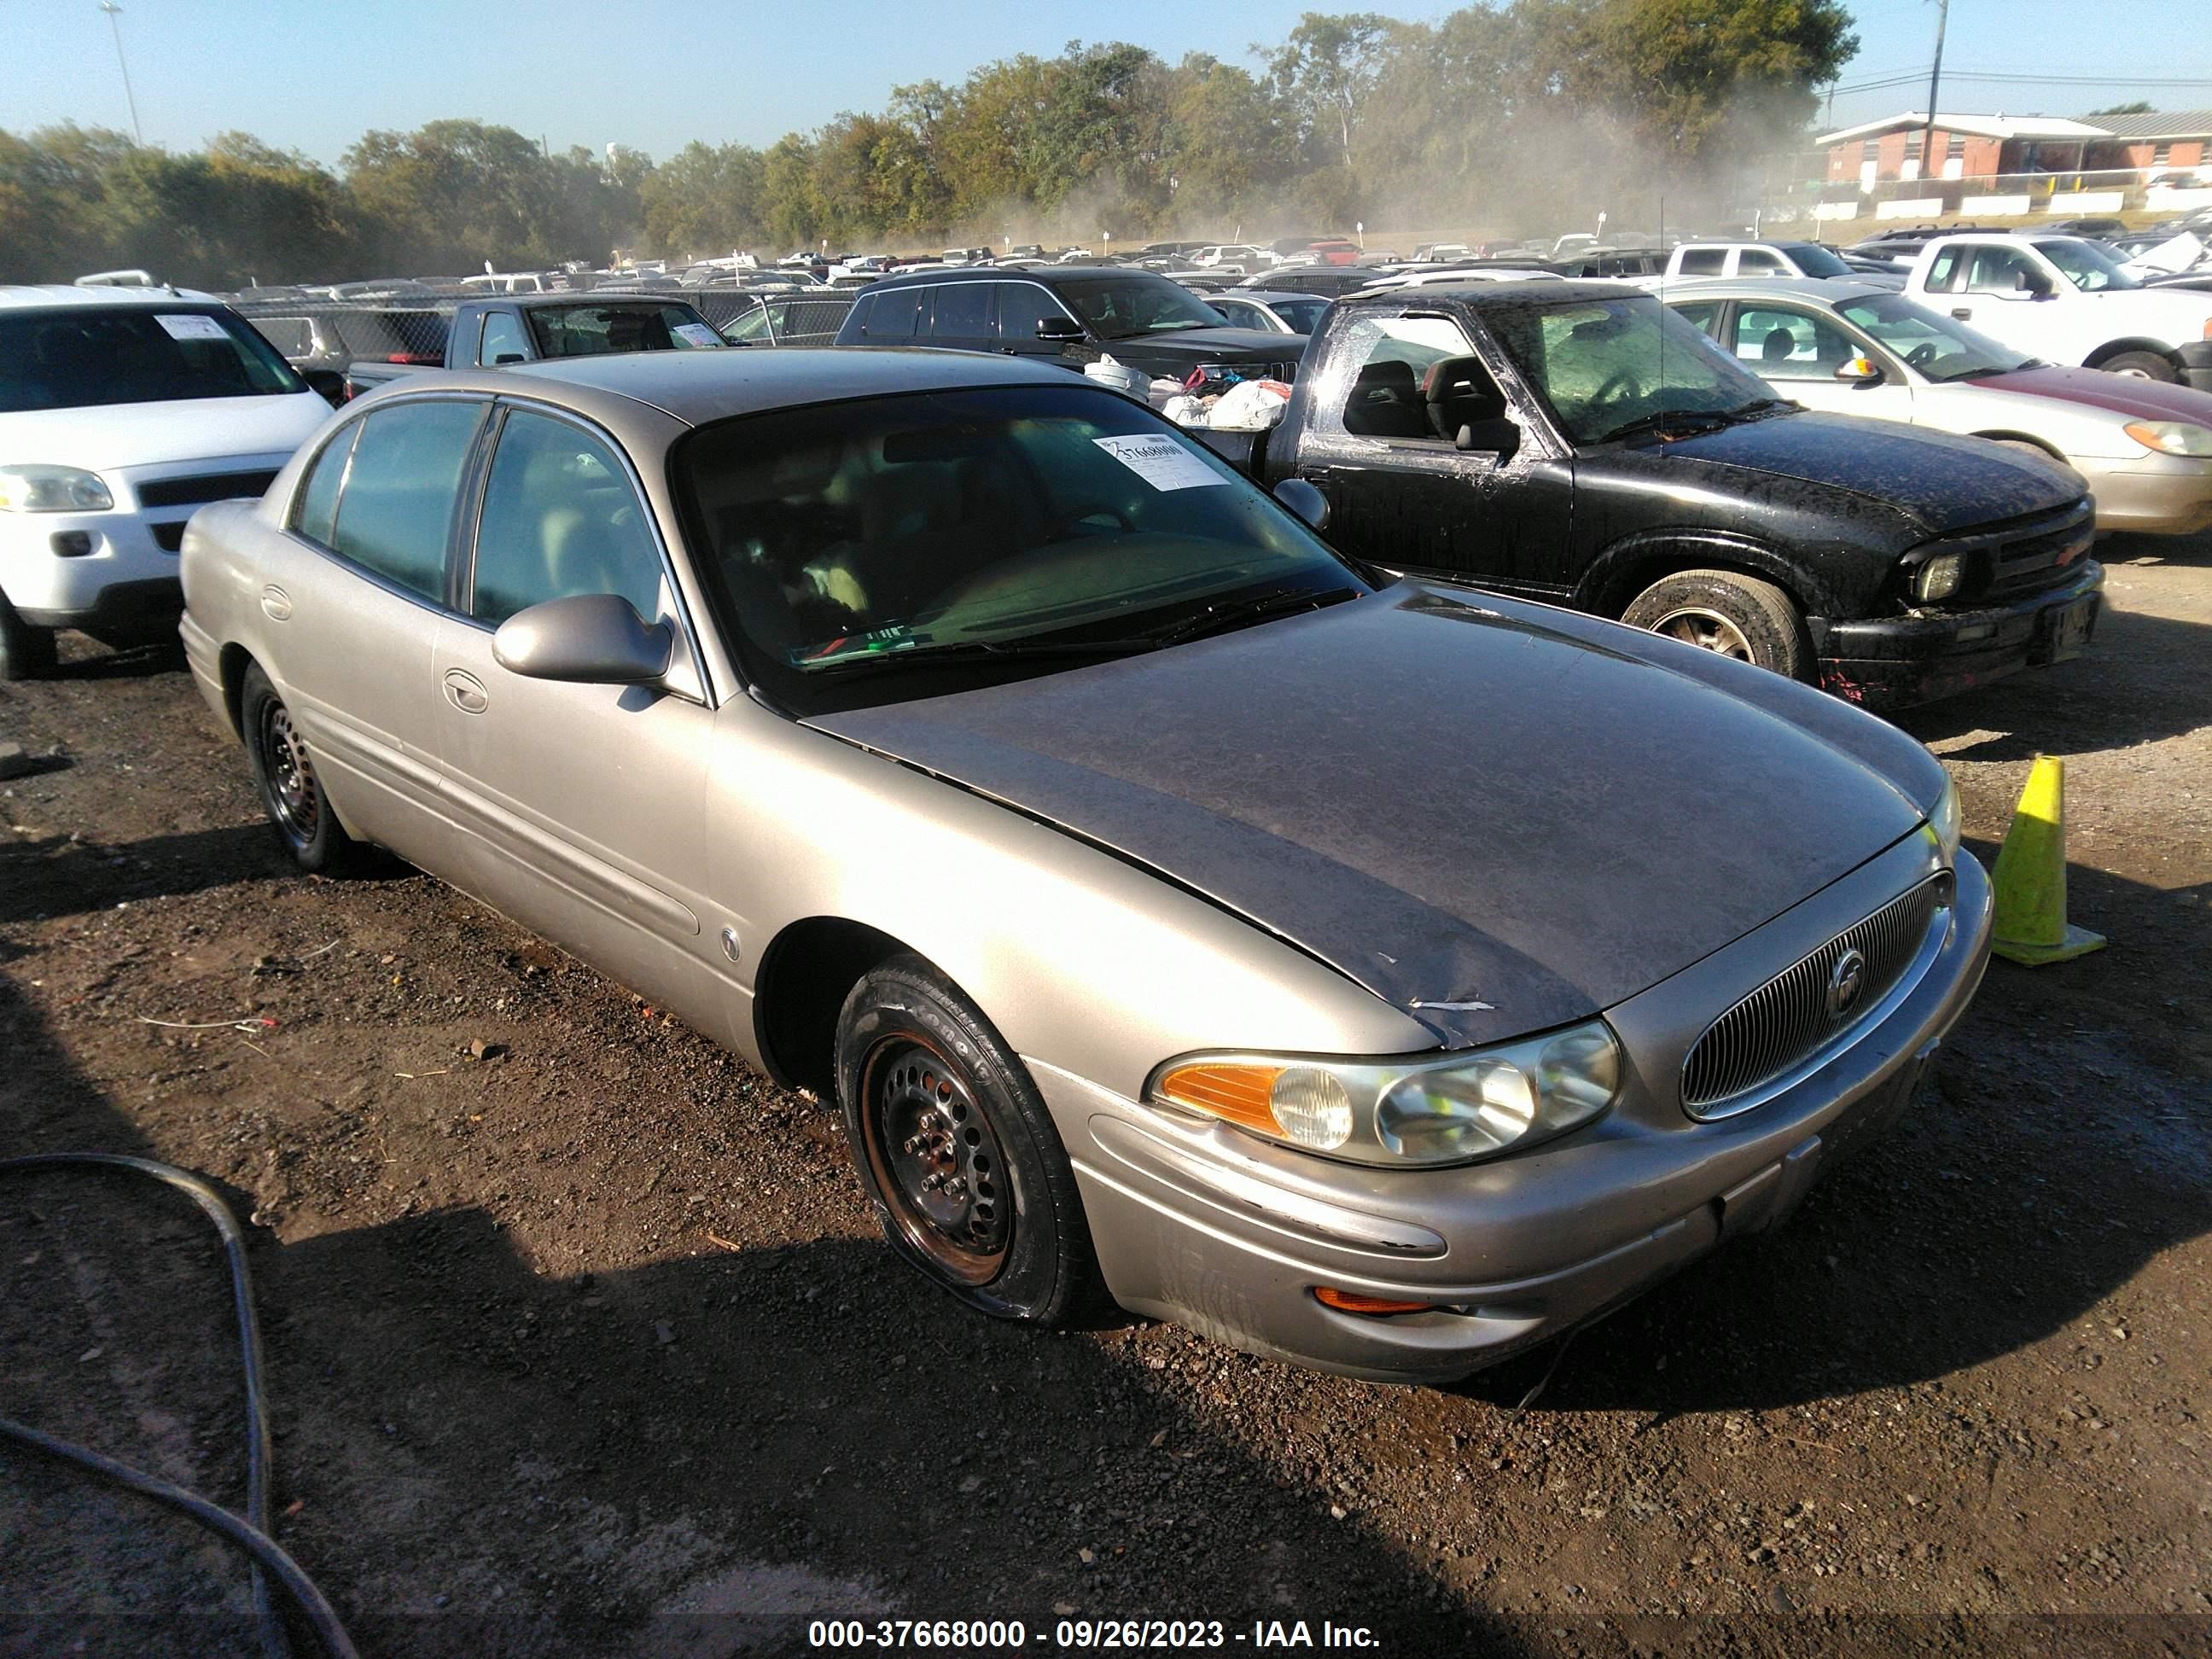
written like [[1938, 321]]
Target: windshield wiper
[[1756, 407], [1660, 420], [1280, 601], [926, 653]]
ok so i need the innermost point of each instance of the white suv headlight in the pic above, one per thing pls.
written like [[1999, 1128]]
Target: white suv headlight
[[52, 489], [1441, 1108]]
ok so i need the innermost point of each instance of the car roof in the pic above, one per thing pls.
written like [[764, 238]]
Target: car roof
[[47, 296], [1267, 295], [1051, 273], [1558, 291], [1779, 288], [699, 386]]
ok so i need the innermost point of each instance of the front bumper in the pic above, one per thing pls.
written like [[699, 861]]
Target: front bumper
[[2196, 365], [1228, 1235], [127, 578], [2151, 495], [1892, 662]]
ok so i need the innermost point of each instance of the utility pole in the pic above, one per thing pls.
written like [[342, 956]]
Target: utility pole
[[130, 97], [1935, 80]]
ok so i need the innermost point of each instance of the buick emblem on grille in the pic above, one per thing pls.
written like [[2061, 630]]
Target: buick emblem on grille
[[1845, 981]]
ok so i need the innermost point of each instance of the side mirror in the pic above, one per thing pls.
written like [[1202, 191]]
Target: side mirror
[[586, 639], [1498, 436], [328, 381], [1305, 501], [1058, 328], [1859, 371], [2033, 283]]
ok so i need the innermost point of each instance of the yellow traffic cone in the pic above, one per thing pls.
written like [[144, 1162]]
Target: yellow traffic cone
[[2031, 876]]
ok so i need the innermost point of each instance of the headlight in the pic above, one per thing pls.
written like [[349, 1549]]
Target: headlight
[[2171, 437], [1450, 1109], [52, 489], [1947, 820], [1939, 578]]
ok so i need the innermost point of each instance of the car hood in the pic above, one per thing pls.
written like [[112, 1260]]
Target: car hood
[[1495, 824], [112, 435], [2121, 394], [1945, 483], [1206, 345]]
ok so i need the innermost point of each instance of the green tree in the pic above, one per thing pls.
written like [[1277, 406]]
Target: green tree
[[1325, 71]]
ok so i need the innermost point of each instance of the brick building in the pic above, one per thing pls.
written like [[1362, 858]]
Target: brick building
[[2176, 139], [1964, 147]]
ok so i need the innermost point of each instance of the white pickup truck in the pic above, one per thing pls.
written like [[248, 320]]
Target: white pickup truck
[[2068, 301]]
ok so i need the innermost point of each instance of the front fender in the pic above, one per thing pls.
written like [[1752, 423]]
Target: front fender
[[1628, 566]]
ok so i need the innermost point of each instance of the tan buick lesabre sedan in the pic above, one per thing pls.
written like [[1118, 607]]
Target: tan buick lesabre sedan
[[1376, 974]]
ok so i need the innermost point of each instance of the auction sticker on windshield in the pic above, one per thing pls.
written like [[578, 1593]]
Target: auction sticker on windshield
[[697, 334], [1160, 462], [189, 325]]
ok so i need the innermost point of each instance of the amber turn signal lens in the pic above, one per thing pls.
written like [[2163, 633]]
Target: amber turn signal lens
[[1352, 1302], [1237, 1094]]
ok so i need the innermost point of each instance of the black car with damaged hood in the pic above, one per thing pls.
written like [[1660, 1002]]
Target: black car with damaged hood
[[1578, 443]]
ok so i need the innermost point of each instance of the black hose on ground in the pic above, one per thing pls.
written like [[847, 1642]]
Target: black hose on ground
[[250, 1531]]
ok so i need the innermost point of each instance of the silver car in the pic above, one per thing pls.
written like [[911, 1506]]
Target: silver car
[[2144, 447], [1376, 974]]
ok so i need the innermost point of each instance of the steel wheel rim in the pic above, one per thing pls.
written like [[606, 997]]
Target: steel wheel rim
[[935, 1160], [1708, 630], [2134, 375], [294, 800]]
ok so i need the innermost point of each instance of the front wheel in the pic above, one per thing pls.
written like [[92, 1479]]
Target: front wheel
[[956, 1152], [26, 652], [1735, 616], [284, 773], [2141, 366]]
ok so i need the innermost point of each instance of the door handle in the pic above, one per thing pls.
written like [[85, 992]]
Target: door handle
[[277, 604], [1962, 313], [466, 691]]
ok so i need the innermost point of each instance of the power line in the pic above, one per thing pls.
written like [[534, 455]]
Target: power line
[[2016, 78]]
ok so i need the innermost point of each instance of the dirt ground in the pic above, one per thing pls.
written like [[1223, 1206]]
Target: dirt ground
[[587, 1346]]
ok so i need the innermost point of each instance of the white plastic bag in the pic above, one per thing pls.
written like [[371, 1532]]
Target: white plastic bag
[[1249, 406], [1162, 391], [1186, 411]]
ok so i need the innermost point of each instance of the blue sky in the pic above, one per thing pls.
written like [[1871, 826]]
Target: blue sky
[[313, 75]]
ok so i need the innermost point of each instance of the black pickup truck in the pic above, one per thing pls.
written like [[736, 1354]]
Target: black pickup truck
[[524, 328], [1577, 443]]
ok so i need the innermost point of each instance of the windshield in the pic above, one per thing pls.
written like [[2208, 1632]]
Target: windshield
[[846, 539], [1814, 260], [1606, 367], [1940, 347], [595, 331], [1303, 315], [1123, 307], [89, 355], [2086, 264]]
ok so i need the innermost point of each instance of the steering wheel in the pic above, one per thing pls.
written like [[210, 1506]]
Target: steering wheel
[[1618, 388], [1923, 354]]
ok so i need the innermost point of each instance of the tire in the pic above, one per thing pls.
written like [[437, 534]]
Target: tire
[[929, 1091], [1735, 616], [291, 795], [2141, 366], [26, 652]]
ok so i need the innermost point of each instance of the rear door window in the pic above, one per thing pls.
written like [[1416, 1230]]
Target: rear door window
[[396, 515], [896, 317], [961, 313]]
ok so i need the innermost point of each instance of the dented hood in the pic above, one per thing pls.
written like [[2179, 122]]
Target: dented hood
[[1448, 799]]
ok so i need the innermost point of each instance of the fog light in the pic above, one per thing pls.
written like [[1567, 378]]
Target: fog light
[[1352, 1302], [71, 544], [1939, 577]]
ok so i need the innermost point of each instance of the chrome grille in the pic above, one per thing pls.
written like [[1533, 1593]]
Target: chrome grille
[[1786, 1019]]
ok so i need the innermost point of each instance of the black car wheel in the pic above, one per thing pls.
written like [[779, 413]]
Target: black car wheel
[[956, 1151], [284, 772], [26, 652], [1735, 616]]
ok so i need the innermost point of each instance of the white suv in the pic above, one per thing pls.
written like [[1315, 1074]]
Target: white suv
[[121, 411]]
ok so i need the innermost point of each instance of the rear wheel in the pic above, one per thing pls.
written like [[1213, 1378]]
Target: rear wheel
[[2140, 366], [291, 793], [26, 652], [956, 1151], [1733, 615]]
